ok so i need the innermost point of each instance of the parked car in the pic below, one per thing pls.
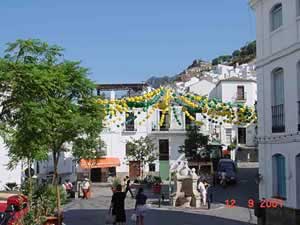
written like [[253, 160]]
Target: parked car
[[229, 167], [13, 207]]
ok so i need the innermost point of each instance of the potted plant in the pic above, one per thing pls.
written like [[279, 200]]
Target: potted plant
[[43, 206], [116, 181]]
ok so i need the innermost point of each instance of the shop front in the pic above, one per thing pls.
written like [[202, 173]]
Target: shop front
[[100, 169]]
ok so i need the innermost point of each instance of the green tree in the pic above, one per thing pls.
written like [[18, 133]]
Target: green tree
[[141, 150], [48, 105], [236, 53], [215, 61], [194, 143]]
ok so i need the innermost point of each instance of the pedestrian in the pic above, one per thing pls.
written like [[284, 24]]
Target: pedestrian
[[140, 206], [208, 193], [201, 188], [86, 188], [68, 187], [128, 188], [118, 206]]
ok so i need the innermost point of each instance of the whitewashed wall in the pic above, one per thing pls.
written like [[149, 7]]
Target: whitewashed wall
[[229, 91], [202, 87], [8, 176]]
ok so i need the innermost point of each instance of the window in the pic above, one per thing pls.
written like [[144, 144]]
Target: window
[[242, 135], [151, 167], [279, 178], [298, 7], [278, 116], [164, 149], [228, 132], [129, 121], [240, 93], [276, 17]]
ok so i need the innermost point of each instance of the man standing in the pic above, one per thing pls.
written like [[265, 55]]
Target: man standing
[[128, 188]]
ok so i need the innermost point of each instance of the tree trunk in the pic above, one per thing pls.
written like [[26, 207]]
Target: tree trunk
[[55, 183], [142, 169], [29, 181]]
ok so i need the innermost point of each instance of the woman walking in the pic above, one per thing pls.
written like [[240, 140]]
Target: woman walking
[[140, 206], [118, 206]]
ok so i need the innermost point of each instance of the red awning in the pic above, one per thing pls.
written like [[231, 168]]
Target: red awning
[[99, 163]]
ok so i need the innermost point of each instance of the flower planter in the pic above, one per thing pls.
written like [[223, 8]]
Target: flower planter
[[53, 220]]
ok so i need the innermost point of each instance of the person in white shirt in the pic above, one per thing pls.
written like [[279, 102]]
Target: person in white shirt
[[202, 190], [85, 188]]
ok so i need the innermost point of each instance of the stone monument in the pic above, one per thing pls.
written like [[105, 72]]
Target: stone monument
[[186, 194]]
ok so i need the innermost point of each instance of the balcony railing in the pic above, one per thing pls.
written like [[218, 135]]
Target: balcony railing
[[164, 127], [278, 124], [130, 127]]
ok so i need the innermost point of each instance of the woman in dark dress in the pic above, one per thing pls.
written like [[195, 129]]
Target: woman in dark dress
[[118, 206]]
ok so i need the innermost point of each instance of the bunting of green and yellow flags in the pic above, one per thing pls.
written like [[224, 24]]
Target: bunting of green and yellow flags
[[167, 100]]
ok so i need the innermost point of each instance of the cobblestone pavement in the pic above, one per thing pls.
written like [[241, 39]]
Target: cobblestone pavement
[[93, 211]]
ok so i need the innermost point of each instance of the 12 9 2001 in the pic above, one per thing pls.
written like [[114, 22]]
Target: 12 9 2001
[[264, 203]]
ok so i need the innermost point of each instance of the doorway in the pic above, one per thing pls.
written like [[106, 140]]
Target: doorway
[[164, 158], [242, 135], [96, 175], [134, 169]]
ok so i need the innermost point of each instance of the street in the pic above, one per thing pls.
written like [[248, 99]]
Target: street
[[93, 211]]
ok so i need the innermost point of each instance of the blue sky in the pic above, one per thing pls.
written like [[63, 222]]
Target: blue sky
[[131, 40]]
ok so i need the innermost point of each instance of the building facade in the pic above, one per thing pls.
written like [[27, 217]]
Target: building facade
[[238, 90], [278, 76]]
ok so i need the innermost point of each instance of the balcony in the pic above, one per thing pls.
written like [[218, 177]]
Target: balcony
[[156, 129], [129, 128], [278, 125]]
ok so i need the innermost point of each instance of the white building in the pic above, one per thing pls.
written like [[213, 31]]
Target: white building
[[67, 168], [243, 91], [167, 139], [236, 89], [278, 76], [8, 176], [203, 87]]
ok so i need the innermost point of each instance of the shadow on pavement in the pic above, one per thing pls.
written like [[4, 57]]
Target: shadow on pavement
[[153, 217], [245, 189]]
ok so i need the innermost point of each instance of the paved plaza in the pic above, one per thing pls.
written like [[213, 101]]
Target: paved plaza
[[93, 211]]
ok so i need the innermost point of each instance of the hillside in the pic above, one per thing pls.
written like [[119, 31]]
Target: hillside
[[244, 55], [193, 70]]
